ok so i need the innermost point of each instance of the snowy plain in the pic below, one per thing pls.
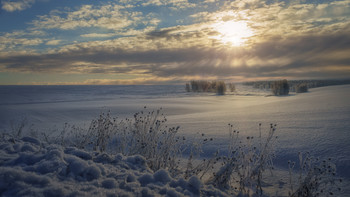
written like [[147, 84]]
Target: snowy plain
[[317, 121]]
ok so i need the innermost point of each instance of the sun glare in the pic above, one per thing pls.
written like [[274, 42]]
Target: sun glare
[[233, 32]]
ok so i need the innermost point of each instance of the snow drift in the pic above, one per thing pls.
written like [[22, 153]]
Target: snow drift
[[29, 167]]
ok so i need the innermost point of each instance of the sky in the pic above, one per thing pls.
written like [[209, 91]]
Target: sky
[[81, 42]]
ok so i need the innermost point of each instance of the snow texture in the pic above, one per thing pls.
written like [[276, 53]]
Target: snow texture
[[29, 167]]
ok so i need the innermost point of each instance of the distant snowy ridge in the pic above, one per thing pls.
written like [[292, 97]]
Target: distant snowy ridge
[[29, 167]]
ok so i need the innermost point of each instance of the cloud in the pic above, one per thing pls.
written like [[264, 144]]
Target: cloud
[[170, 4], [289, 40], [53, 42], [95, 35], [15, 42], [296, 19], [20, 41], [11, 6], [323, 56], [121, 19]]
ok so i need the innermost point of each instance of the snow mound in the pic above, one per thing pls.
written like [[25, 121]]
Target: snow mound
[[29, 167]]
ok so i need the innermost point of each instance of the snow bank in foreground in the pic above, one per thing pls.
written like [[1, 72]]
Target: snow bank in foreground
[[29, 167]]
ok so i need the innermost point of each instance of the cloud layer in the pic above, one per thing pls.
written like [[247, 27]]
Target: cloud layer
[[11, 6], [289, 40]]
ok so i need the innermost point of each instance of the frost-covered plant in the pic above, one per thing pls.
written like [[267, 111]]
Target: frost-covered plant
[[61, 138], [18, 130], [96, 137], [145, 134], [315, 178], [151, 138], [205, 165], [101, 131], [247, 161]]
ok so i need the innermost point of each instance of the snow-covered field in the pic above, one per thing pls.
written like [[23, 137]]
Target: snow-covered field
[[317, 121]]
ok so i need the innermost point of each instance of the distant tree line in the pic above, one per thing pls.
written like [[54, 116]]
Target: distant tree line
[[280, 87], [219, 87], [300, 88], [283, 87]]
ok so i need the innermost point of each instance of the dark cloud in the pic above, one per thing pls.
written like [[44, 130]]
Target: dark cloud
[[161, 33], [311, 56], [298, 45]]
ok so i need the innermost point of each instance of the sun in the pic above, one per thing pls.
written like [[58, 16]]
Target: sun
[[233, 32]]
